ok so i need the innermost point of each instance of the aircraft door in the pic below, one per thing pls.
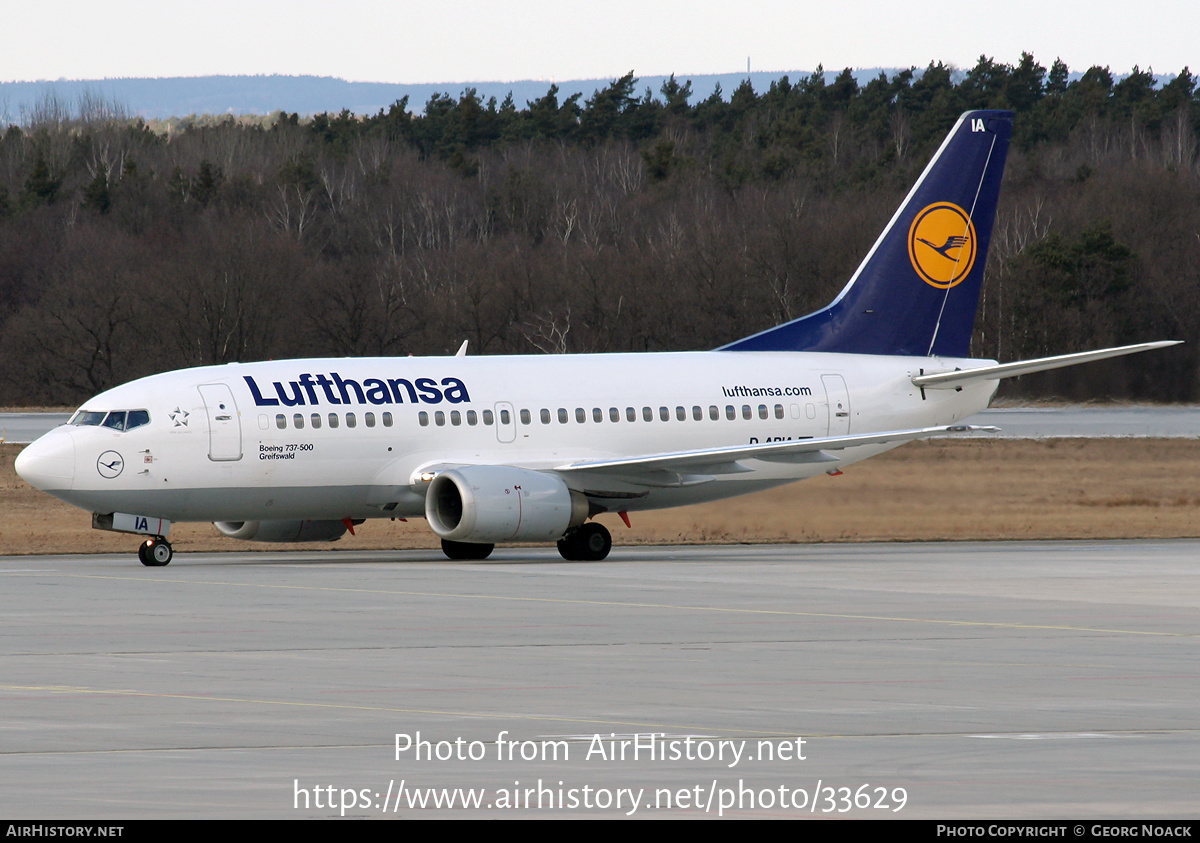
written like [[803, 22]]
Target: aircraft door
[[506, 422], [838, 399], [224, 422]]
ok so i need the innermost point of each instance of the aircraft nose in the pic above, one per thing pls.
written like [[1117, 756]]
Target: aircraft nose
[[49, 463]]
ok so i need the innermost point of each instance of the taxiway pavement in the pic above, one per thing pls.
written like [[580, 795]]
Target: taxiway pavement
[[971, 680]]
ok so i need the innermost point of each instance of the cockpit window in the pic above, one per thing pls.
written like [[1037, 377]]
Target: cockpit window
[[137, 418], [87, 418], [121, 420]]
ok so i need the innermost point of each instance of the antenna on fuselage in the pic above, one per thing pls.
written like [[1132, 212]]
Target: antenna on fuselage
[[462, 349]]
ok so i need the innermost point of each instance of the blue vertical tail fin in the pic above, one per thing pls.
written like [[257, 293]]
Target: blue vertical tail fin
[[917, 290]]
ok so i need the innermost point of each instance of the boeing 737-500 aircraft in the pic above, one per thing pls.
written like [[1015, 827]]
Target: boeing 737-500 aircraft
[[530, 449]]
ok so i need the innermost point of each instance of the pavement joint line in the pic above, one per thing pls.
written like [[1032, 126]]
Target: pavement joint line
[[682, 608], [1017, 735], [66, 689]]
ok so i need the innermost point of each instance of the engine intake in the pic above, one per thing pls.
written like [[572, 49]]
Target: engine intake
[[495, 503]]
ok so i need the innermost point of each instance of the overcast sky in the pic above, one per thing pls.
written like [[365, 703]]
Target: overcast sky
[[486, 40]]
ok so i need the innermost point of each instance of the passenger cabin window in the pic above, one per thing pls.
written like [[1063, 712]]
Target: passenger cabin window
[[525, 417], [351, 421], [505, 417], [545, 416], [387, 419], [281, 421], [472, 418], [647, 414], [423, 418], [333, 419], [614, 415], [714, 412], [597, 415], [316, 420], [439, 418], [369, 418], [456, 418], [664, 414], [488, 418], [298, 421], [630, 414]]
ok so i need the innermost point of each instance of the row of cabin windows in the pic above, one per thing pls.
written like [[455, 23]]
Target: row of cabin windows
[[488, 418], [316, 420], [472, 418], [748, 412]]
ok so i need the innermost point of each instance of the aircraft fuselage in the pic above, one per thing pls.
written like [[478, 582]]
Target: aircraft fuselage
[[345, 438]]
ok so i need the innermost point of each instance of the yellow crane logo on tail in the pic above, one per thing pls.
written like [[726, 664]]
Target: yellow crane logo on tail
[[942, 244]]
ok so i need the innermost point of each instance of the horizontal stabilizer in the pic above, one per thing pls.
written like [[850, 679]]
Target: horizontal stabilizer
[[961, 377]]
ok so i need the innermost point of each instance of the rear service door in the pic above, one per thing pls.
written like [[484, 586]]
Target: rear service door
[[839, 404]]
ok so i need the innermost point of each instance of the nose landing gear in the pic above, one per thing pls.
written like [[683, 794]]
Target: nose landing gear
[[155, 552]]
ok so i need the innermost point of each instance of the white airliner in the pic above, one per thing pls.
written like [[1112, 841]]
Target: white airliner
[[496, 449]]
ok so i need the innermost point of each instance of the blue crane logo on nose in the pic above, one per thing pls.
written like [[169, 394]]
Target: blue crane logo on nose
[[110, 464]]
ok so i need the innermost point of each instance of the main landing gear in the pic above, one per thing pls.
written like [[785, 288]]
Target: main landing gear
[[466, 550], [588, 542], [155, 552]]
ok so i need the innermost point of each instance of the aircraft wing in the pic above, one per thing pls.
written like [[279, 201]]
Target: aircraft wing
[[710, 461]]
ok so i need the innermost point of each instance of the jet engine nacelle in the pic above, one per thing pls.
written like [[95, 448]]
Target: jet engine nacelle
[[486, 504], [282, 531]]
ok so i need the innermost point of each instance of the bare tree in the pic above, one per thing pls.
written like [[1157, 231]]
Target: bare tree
[[548, 333]]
